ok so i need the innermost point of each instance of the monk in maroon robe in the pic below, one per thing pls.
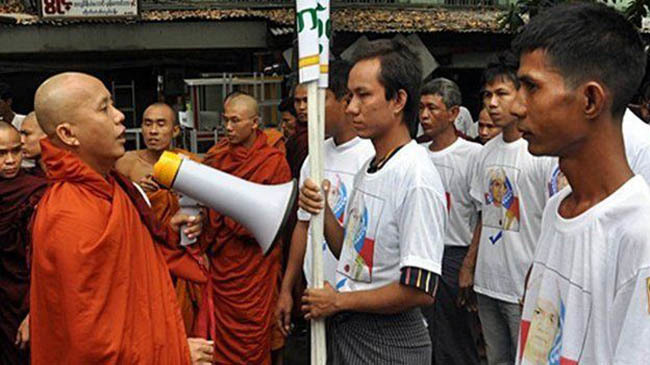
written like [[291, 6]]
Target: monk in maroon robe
[[19, 193]]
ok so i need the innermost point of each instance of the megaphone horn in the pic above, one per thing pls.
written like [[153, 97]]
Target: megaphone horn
[[261, 209]]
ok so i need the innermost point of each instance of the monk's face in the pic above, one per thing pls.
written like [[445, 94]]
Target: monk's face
[[31, 135], [96, 125], [240, 122], [158, 127], [10, 153]]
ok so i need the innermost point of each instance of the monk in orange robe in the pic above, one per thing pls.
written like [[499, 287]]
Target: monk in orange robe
[[243, 284], [100, 291], [159, 127], [19, 194]]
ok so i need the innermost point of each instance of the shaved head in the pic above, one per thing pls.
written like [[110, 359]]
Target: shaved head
[[31, 135], [58, 96], [10, 151], [245, 100], [76, 112]]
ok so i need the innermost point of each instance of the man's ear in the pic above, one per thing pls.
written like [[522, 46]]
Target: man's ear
[[453, 112], [66, 135], [176, 130], [594, 98], [401, 97], [256, 122]]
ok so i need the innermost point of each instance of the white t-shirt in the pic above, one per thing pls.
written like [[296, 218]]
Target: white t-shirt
[[455, 165], [17, 121], [588, 295], [341, 164], [466, 124], [510, 184], [396, 218], [636, 137]]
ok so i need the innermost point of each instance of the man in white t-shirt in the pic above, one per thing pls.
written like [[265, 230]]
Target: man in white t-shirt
[[391, 249], [510, 185], [588, 294], [450, 326], [343, 156]]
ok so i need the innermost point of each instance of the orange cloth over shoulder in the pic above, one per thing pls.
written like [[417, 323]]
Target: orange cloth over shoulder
[[189, 285], [275, 138], [242, 287], [101, 291]]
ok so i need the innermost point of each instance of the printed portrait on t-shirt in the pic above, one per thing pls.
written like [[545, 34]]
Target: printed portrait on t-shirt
[[552, 330], [501, 208], [557, 182], [338, 197], [357, 253]]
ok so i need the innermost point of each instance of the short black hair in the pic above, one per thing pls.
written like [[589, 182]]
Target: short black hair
[[339, 71], [5, 91], [589, 41], [286, 105], [401, 69], [504, 66], [447, 89]]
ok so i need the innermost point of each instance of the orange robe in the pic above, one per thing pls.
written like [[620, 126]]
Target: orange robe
[[164, 204], [101, 292], [275, 138], [243, 286]]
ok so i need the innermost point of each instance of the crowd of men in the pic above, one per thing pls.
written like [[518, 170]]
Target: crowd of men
[[520, 238]]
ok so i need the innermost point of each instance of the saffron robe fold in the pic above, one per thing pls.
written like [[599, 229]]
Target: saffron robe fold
[[18, 197], [243, 284], [101, 292]]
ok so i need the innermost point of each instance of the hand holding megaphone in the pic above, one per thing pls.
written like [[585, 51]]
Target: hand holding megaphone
[[261, 209]]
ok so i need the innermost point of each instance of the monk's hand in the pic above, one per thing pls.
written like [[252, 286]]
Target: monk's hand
[[201, 350], [310, 198], [320, 303], [148, 184], [192, 225], [466, 294], [283, 312], [22, 337]]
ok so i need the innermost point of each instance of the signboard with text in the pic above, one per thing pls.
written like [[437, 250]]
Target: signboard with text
[[84, 9]]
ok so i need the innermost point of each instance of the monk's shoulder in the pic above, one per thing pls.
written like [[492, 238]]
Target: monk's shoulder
[[70, 208], [125, 163]]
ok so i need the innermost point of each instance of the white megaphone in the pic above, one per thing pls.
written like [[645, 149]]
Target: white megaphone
[[262, 209]]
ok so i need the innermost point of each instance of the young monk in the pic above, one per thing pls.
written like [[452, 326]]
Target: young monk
[[159, 128], [19, 194], [588, 295], [100, 290], [242, 286]]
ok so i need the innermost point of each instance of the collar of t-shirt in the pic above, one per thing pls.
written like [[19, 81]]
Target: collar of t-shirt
[[345, 145], [372, 168], [445, 150]]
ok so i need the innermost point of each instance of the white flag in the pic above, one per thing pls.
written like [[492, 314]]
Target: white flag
[[307, 26]]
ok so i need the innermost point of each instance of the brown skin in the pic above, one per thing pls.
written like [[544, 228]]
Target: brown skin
[[338, 125], [486, 127], [381, 121], [10, 151], [31, 135], [241, 119], [159, 128], [300, 102], [6, 112], [77, 113], [288, 124], [498, 97], [590, 148], [438, 121]]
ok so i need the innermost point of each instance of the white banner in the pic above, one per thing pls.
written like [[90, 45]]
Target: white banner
[[324, 34], [307, 27], [89, 8]]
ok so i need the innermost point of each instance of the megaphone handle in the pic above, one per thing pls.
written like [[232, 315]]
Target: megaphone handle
[[192, 211]]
